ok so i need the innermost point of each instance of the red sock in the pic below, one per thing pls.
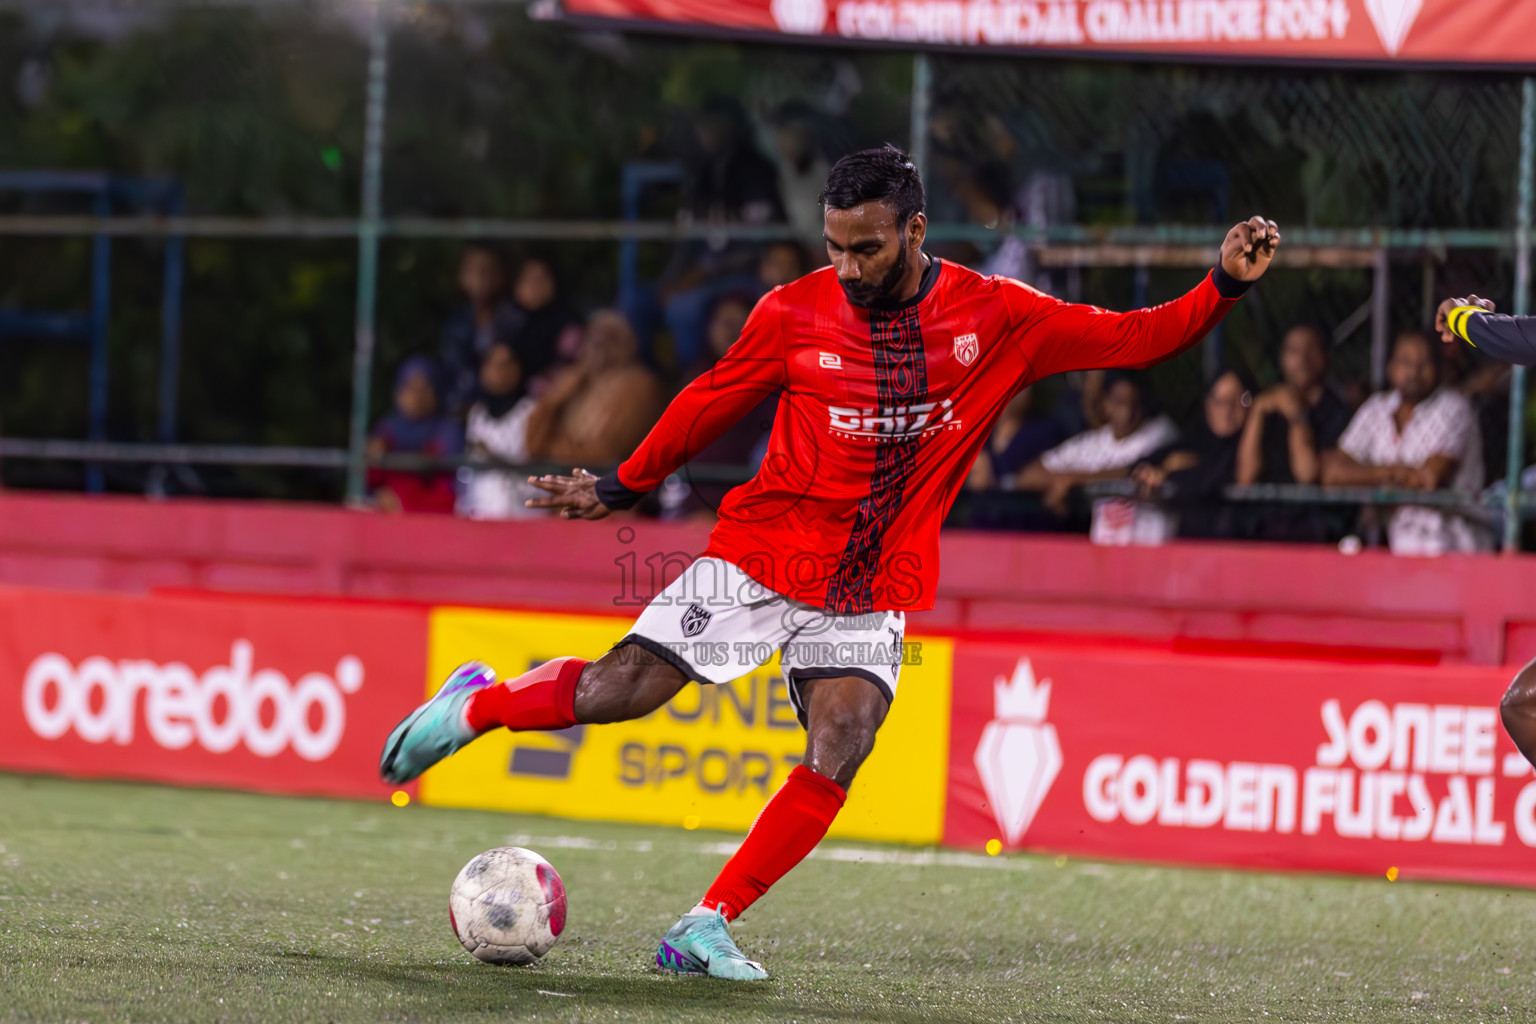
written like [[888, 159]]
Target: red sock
[[786, 830], [541, 698]]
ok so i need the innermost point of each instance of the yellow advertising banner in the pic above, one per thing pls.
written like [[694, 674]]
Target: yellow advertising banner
[[710, 759]]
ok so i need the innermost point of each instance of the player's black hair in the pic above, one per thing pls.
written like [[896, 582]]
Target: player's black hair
[[886, 175]]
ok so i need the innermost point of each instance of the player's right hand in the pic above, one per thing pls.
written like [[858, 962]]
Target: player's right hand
[[1249, 248], [1442, 315], [575, 496]]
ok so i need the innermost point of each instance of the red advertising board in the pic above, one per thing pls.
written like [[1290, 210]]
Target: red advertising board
[[1248, 762], [254, 694], [1465, 32]]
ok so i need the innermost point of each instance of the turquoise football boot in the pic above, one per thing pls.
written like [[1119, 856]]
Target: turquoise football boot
[[700, 944], [437, 728]]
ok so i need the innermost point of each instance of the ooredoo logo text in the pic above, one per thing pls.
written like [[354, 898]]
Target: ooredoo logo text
[[102, 701]]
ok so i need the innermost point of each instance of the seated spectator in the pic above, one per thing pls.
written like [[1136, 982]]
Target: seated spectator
[[726, 320], [1018, 439], [742, 444], [597, 411], [1289, 428], [486, 316], [782, 263], [802, 168], [1294, 421], [415, 427], [1418, 436], [1203, 461], [727, 181], [551, 333], [1105, 453], [498, 426]]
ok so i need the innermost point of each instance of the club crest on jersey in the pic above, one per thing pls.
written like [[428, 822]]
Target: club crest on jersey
[[694, 620], [893, 420], [967, 348]]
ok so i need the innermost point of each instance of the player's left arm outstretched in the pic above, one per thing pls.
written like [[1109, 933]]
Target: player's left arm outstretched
[[1062, 336]]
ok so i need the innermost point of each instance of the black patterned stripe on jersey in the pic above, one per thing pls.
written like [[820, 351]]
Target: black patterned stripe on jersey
[[901, 378]]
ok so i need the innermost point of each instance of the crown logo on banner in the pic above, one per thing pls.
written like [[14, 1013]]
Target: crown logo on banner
[[1019, 754], [1393, 20], [1021, 699]]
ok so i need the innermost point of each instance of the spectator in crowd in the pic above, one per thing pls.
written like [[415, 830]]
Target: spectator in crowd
[[1204, 460], [598, 410], [1418, 436], [498, 427], [550, 334], [782, 263], [414, 427], [726, 321], [802, 168], [727, 181], [1289, 429], [486, 316], [1105, 453], [742, 444], [1292, 423], [1018, 439]]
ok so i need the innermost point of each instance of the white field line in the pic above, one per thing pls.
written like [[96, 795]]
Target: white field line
[[845, 854]]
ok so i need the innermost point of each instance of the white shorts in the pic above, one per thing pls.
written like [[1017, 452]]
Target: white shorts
[[716, 624]]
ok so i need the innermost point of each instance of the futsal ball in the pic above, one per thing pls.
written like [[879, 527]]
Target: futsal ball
[[507, 906]]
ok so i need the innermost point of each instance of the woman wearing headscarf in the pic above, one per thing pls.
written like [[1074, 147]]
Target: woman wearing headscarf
[[416, 426], [1204, 461], [498, 427]]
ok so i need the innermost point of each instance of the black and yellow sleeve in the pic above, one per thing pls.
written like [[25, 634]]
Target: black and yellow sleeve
[[1457, 321], [1510, 338]]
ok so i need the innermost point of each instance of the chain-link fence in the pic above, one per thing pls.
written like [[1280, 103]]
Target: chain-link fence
[[505, 127]]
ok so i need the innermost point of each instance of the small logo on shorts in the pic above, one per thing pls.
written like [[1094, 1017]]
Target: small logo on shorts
[[694, 620]]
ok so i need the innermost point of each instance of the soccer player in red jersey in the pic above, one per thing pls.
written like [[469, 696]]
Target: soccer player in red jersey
[[891, 366]]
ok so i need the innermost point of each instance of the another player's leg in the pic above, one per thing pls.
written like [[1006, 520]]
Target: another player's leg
[[842, 716], [627, 682], [1518, 710]]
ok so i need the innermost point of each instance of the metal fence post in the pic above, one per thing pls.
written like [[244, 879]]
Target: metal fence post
[[1522, 308], [368, 252], [922, 98], [101, 318], [1380, 312], [174, 269]]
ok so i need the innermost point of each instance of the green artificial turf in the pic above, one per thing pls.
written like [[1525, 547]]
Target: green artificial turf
[[125, 902]]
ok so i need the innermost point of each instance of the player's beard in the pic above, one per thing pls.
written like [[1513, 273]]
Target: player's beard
[[884, 291]]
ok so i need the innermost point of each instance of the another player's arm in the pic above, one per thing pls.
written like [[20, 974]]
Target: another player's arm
[[753, 369], [1509, 338], [1062, 336]]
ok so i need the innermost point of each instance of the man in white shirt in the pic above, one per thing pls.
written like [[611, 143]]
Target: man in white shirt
[[1418, 436], [1107, 453]]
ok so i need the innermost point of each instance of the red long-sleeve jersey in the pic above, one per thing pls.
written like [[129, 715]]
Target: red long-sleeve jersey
[[882, 413]]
